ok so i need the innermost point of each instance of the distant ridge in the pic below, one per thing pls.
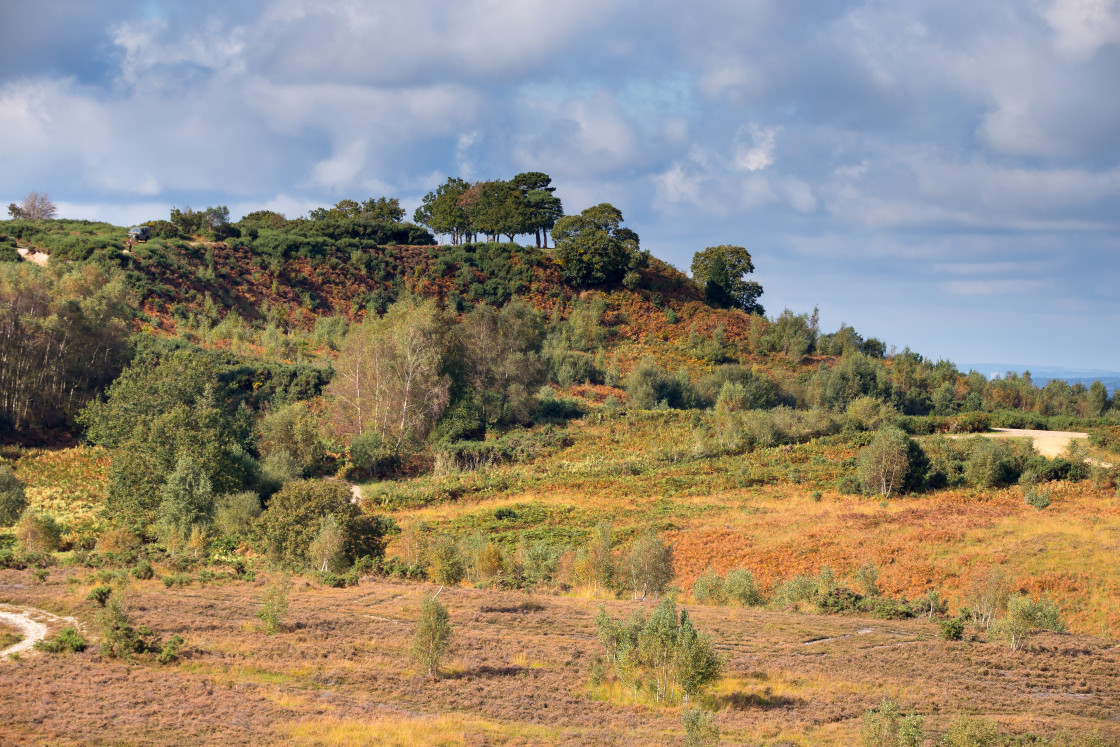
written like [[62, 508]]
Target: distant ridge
[[1042, 375]]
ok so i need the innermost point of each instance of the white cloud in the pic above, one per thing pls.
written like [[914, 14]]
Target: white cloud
[[990, 287], [1082, 27], [674, 185], [759, 153]]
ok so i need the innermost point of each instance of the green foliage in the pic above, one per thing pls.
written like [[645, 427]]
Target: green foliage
[[143, 570], [593, 249], [892, 462], [37, 533], [186, 501], [887, 726], [1024, 615], [274, 605], [326, 551], [650, 387], [951, 629], [967, 731], [371, 457], [700, 728], [100, 595], [741, 588], [445, 564], [294, 429], [429, 641], [169, 652], [594, 563], [12, 498], [63, 339], [650, 566], [1037, 497], [991, 463], [67, 640], [867, 577], [721, 271], [234, 513], [119, 640], [291, 522], [708, 587]]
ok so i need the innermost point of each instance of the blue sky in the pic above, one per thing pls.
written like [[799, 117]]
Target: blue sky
[[939, 174]]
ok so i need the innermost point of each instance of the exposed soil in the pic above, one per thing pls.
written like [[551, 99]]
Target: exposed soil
[[1048, 443], [343, 657], [34, 624]]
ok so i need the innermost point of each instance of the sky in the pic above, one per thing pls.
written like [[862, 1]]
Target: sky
[[940, 174]]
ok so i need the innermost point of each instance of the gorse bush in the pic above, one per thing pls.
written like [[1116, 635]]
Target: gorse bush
[[700, 728]]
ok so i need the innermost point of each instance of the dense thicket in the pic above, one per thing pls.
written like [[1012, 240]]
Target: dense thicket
[[63, 337]]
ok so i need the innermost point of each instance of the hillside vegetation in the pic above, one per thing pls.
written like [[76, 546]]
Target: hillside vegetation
[[540, 432]]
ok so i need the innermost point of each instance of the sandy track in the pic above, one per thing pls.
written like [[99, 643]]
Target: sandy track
[[33, 623], [1048, 443]]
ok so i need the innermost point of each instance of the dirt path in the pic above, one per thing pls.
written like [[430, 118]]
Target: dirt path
[[1048, 443], [33, 623]]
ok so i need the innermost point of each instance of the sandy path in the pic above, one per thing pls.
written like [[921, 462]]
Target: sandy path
[[1048, 443], [33, 623]]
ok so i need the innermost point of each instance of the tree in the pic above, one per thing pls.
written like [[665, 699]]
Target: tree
[[500, 354], [216, 219], [495, 208], [387, 209], [888, 726], [291, 522], [37, 532], [594, 565], [441, 210], [389, 375], [187, 500], [593, 249], [543, 208], [651, 565], [433, 630], [885, 463], [35, 206], [721, 271], [327, 550]]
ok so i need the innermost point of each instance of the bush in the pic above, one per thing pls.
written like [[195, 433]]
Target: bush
[[649, 387], [651, 565], [430, 638], [37, 533], [274, 605], [965, 731], [170, 651], [990, 463], [867, 577], [291, 522], [117, 541], [445, 565], [741, 588], [708, 587], [848, 485], [100, 595], [886, 726], [794, 590], [951, 629], [143, 570], [234, 513], [370, 457], [12, 498], [119, 640], [1037, 497], [700, 728], [1024, 615], [67, 640]]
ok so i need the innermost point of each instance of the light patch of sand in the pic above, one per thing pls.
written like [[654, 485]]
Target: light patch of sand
[[38, 258], [33, 623]]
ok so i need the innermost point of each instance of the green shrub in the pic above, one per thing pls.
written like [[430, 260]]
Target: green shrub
[[100, 595], [66, 640], [177, 579], [1037, 497], [867, 577], [445, 564], [887, 726], [951, 629], [119, 640], [170, 651], [234, 513], [966, 731], [291, 522], [370, 457], [741, 588], [700, 728], [848, 485], [37, 533], [794, 590], [708, 587], [274, 605]]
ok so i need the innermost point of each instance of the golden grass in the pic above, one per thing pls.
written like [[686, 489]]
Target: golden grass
[[405, 730]]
